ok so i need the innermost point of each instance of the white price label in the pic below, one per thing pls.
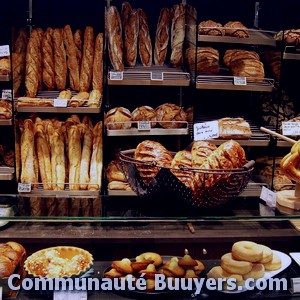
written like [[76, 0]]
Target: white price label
[[70, 295], [239, 80], [157, 76], [116, 75], [295, 284], [24, 187], [7, 94], [269, 196], [144, 125], [60, 102], [4, 50], [206, 130], [291, 128]]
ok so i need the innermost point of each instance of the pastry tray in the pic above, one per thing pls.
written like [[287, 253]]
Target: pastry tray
[[256, 37], [218, 82], [5, 122], [154, 75], [6, 173], [291, 53], [50, 95]]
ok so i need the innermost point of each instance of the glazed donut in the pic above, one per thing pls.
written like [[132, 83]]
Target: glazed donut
[[156, 258], [229, 264], [267, 254], [247, 251], [258, 271], [274, 264], [218, 272]]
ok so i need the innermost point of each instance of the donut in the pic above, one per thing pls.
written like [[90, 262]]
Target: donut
[[156, 258], [258, 271], [274, 264], [229, 264], [247, 251], [267, 254]]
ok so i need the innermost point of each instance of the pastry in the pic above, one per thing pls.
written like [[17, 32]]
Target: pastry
[[170, 112], [98, 64], [236, 29], [79, 99], [234, 128], [94, 98], [191, 26], [86, 70], [211, 28], [118, 118], [78, 43], [145, 45], [144, 113], [162, 37]]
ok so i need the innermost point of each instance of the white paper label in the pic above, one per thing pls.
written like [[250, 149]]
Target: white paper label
[[70, 295], [144, 125], [60, 103], [295, 283], [1, 292], [206, 130], [157, 76], [4, 51], [24, 187], [7, 94], [239, 80], [116, 75], [269, 196], [291, 128]]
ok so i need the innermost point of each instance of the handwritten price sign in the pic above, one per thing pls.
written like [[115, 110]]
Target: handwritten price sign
[[206, 130]]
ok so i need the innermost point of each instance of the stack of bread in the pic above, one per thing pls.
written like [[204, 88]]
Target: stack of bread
[[273, 60], [116, 178], [7, 156], [167, 115], [290, 37], [234, 29], [149, 264], [58, 58], [207, 60], [246, 260], [244, 63], [55, 153], [5, 109]]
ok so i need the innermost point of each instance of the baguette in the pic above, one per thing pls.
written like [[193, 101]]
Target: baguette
[[191, 26], [48, 60], [40, 35], [78, 44], [98, 64], [125, 13], [86, 70], [18, 150], [145, 46], [27, 101], [18, 66], [21, 42]]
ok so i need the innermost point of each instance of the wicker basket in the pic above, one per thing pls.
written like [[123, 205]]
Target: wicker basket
[[230, 182]]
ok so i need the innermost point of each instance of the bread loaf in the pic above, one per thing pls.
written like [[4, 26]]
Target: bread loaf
[[40, 34], [200, 151], [114, 38], [118, 118], [98, 64], [60, 61], [86, 70], [48, 60], [119, 186], [248, 68], [144, 113], [78, 44], [79, 99], [114, 172], [94, 99], [21, 42], [177, 35], [145, 45], [233, 55], [18, 66], [17, 150], [125, 13], [72, 61], [131, 34], [170, 112], [234, 128], [162, 37], [191, 26], [67, 94], [236, 29], [210, 27]]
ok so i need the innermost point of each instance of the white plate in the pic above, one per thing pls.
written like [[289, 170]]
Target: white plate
[[285, 262]]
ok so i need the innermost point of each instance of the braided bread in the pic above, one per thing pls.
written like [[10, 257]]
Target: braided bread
[[291, 162]]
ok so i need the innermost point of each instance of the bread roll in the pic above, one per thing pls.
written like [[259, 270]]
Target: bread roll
[[114, 172], [125, 13], [78, 44], [79, 99], [145, 45], [170, 112], [86, 70], [114, 38], [191, 25], [48, 60], [119, 114], [236, 29], [210, 27], [72, 61], [131, 34], [67, 94], [200, 151], [162, 37], [144, 113], [98, 64], [177, 35], [60, 60]]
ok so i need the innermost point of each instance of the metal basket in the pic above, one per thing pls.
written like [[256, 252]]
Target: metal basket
[[230, 183]]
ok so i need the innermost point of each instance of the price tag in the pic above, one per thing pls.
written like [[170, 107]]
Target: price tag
[[157, 76], [144, 125], [4, 51], [70, 295], [60, 103], [269, 196], [291, 128], [116, 75], [24, 187], [295, 285], [239, 80], [7, 95], [206, 130]]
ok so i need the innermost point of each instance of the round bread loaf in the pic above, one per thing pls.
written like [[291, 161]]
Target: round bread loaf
[[144, 113], [116, 115]]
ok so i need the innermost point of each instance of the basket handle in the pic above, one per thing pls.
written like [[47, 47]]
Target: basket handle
[[249, 165]]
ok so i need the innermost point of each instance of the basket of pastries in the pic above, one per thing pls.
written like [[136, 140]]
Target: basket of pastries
[[205, 176]]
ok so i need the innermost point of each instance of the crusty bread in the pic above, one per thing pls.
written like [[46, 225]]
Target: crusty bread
[[170, 112], [144, 113], [48, 60], [98, 64], [234, 128], [145, 45], [118, 114], [210, 27], [78, 44], [191, 26], [236, 29]]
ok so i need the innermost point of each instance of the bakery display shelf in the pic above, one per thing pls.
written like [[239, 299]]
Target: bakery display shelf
[[51, 95], [291, 53], [217, 82], [5, 122], [5, 77], [6, 173], [256, 37], [121, 193], [154, 75]]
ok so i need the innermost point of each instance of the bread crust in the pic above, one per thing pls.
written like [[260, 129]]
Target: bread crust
[[98, 64], [145, 45]]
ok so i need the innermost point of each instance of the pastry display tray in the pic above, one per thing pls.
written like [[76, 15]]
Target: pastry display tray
[[50, 95], [6, 173], [5, 122], [5, 77], [217, 82], [291, 53], [154, 75], [256, 37]]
